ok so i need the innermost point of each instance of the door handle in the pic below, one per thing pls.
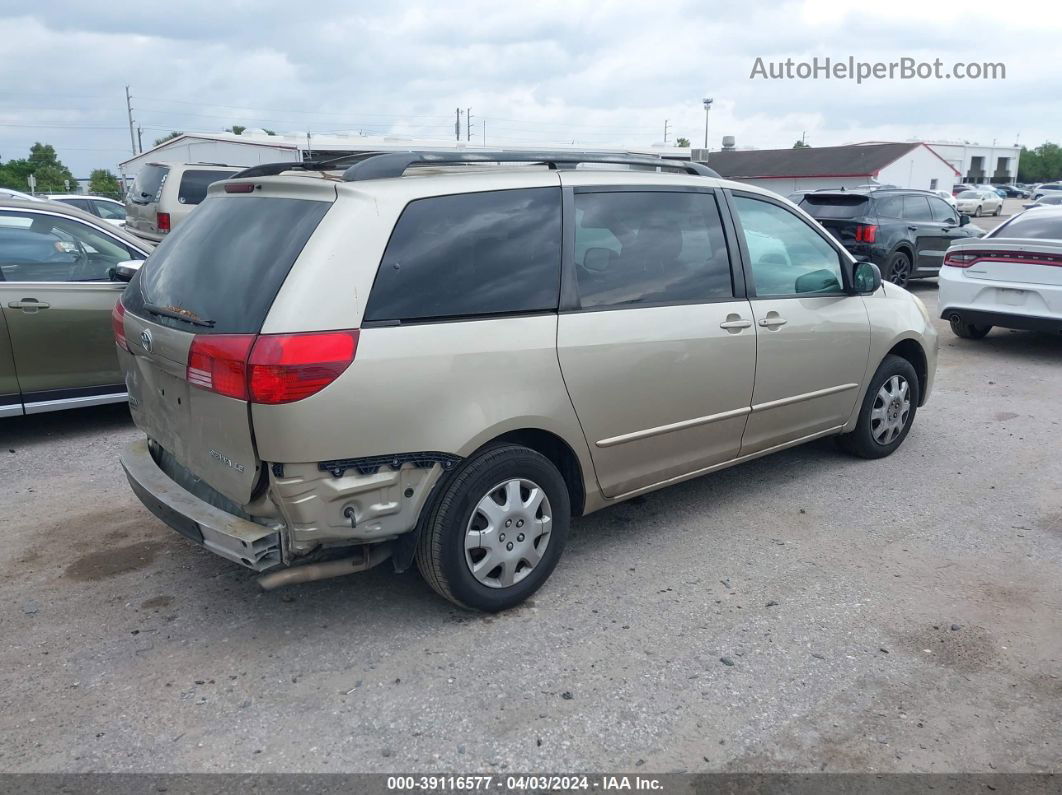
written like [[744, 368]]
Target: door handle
[[28, 305], [773, 322], [736, 323]]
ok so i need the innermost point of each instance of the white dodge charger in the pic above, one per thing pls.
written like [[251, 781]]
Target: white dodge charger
[[1011, 277]]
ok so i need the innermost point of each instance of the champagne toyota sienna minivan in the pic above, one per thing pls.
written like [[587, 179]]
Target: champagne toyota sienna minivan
[[440, 358]]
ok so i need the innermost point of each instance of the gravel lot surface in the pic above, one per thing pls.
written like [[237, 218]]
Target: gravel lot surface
[[806, 611]]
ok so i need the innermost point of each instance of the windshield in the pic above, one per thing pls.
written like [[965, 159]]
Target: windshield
[[148, 184], [222, 267], [834, 206]]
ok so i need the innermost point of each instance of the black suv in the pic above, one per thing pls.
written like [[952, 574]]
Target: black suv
[[903, 231]]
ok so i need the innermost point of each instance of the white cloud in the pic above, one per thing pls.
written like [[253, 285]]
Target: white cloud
[[598, 73]]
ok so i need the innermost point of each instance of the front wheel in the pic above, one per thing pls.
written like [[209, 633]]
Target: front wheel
[[977, 212], [497, 530], [887, 412]]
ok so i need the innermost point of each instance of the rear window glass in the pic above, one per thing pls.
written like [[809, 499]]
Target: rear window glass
[[194, 184], [834, 206], [148, 184], [471, 254], [222, 267], [1031, 225]]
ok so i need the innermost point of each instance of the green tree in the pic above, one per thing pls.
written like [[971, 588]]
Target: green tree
[[1042, 164], [268, 131], [801, 145], [682, 141], [236, 129], [169, 137], [43, 163], [104, 183]]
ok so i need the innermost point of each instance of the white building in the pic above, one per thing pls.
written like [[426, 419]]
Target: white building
[[977, 164], [906, 165], [253, 148]]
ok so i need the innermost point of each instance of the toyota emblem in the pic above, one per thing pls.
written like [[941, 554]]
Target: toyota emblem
[[145, 340]]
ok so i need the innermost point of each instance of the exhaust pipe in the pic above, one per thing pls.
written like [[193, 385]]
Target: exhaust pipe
[[371, 555]]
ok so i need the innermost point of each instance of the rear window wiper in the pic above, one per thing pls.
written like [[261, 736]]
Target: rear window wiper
[[162, 311]]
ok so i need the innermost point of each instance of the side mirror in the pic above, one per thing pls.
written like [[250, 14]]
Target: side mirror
[[964, 219], [124, 271], [866, 278]]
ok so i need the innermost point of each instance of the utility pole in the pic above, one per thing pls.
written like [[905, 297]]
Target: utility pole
[[468, 124], [457, 125], [484, 132], [129, 113], [140, 138], [667, 123], [707, 107]]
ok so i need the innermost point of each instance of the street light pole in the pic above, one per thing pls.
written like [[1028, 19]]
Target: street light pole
[[707, 107]]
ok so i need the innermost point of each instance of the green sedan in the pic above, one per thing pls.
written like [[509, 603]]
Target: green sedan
[[59, 280]]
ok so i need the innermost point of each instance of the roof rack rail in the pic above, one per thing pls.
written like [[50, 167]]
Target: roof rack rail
[[272, 169], [394, 164]]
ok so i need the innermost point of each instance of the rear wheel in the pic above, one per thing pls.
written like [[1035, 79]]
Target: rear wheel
[[977, 212], [968, 331], [887, 412], [999, 209], [497, 530], [899, 272]]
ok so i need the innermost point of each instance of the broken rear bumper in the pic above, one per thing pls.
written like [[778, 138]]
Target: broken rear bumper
[[250, 544]]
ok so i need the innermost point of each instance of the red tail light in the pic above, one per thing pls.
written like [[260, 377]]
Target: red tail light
[[960, 259], [271, 368], [289, 367], [218, 362], [118, 324], [866, 233], [964, 259], [162, 222]]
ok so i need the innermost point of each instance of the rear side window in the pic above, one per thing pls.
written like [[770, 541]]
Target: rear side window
[[223, 266], [148, 184], [649, 247], [194, 184], [471, 254], [834, 206], [916, 208], [891, 207]]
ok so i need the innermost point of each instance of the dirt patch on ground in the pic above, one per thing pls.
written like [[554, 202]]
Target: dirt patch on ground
[[105, 563], [967, 648], [156, 602]]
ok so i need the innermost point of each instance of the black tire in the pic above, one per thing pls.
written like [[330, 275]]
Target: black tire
[[999, 209], [899, 270], [440, 553], [861, 441], [968, 331], [977, 212]]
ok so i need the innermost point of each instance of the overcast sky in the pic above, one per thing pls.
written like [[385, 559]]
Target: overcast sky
[[596, 73]]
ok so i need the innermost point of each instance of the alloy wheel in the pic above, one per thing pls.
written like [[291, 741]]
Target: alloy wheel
[[892, 409], [508, 533], [900, 270]]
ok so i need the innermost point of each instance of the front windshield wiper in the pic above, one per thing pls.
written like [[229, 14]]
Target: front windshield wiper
[[162, 311]]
